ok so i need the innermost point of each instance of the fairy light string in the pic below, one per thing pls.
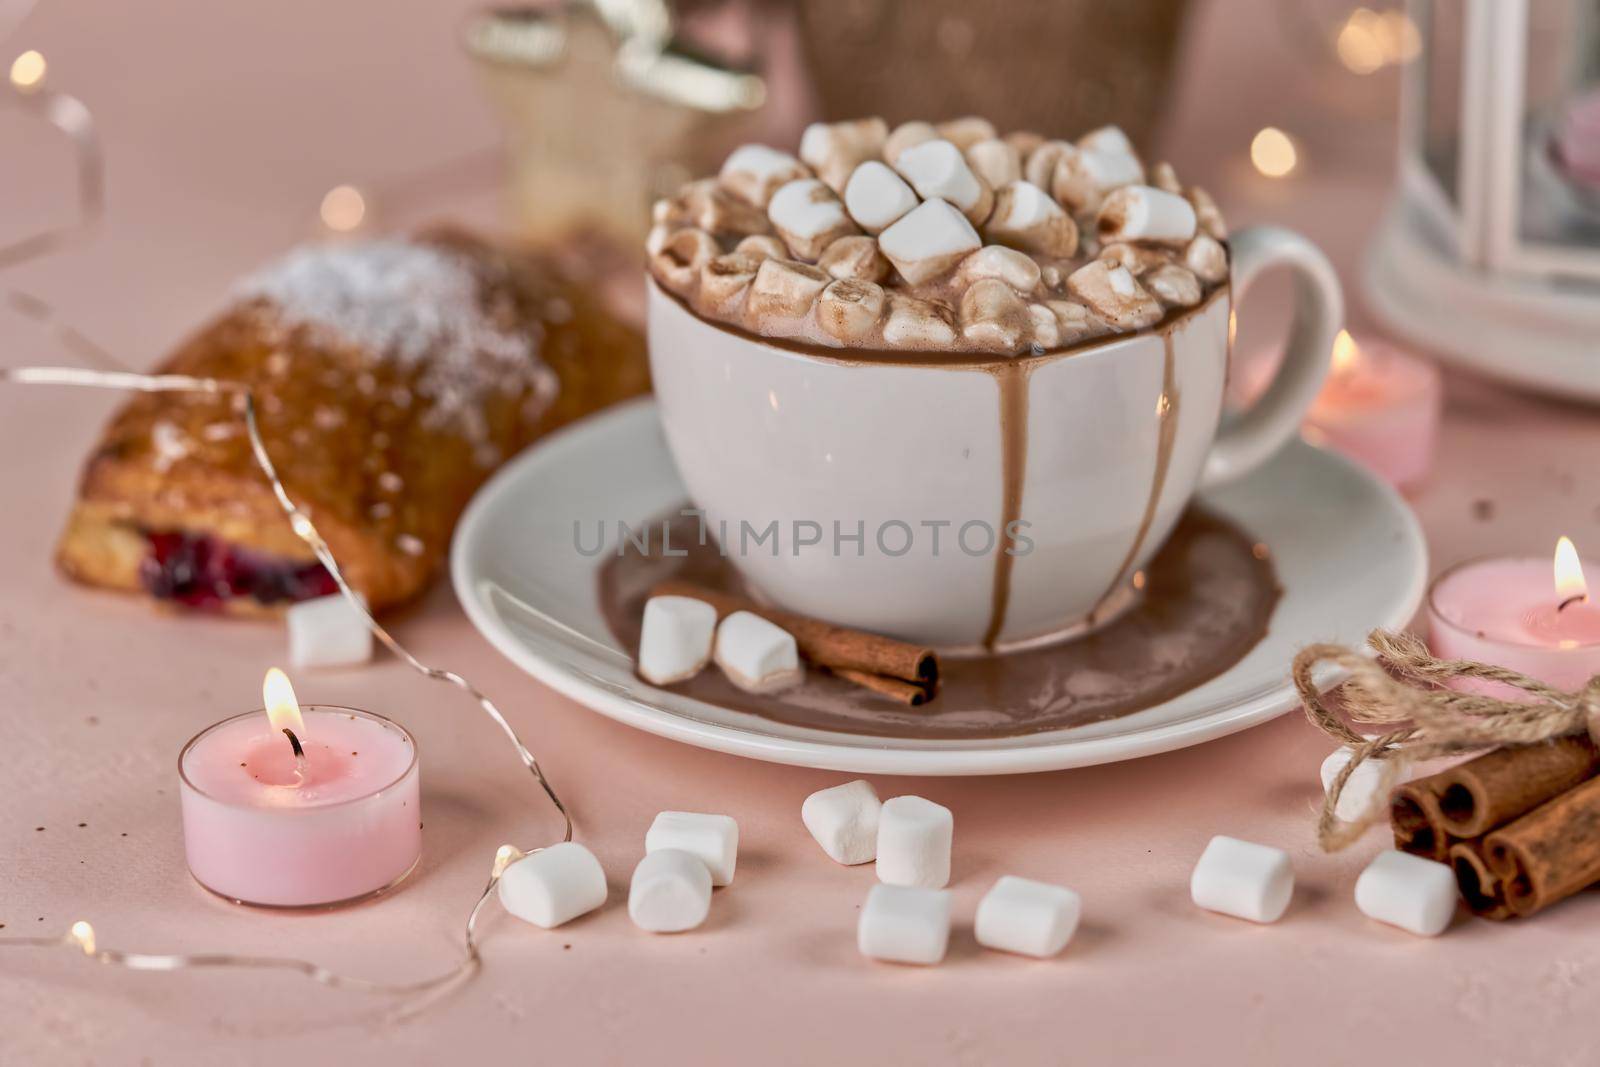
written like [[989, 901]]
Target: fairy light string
[[73, 119]]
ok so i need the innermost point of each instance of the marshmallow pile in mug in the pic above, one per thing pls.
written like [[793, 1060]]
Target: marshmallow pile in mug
[[942, 237]]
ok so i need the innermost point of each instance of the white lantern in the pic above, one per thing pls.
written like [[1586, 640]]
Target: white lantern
[[1490, 252]]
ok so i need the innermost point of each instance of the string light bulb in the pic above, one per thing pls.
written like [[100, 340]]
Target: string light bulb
[[344, 208], [1273, 152], [505, 856], [28, 71], [82, 935]]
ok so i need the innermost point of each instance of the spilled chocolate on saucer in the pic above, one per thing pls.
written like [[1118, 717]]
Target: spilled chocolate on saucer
[[1208, 599]]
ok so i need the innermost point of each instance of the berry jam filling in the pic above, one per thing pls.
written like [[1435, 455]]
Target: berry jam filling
[[199, 571]]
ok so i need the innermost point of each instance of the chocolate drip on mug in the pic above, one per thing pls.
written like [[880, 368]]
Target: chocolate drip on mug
[[1012, 380], [1166, 438]]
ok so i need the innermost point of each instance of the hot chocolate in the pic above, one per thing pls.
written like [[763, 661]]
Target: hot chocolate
[[947, 238]]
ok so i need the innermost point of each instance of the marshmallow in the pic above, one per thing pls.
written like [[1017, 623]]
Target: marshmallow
[[1163, 177], [1046, 327], [917, 324], [994, 318], [782, 294], [901, 924], [674, 211], [844, 821], [1206, 214], [328, 631], [675, 643], [656, 239], [1139, 259], [1024, 141], [1367, 787], [928, 241], [1113, 294], [1016, 269], [876, 196], [808, 217], [677, 264], [753, 172], [554, 885], [724, 280], [966, 131], [1106, 139], [1027, 917], [855, 257], [1174, 286], [835, 149], [756, 655], [936, 169], [914, 838], [904, 136], [715, 210], [1145, 213], [1082, 179], [762, 246], [995, 161], [1026, 217], [847, 311], [1408, 891], [712, 839], [1076, 322], [1039, 166], [1207, 258], [670, 892], [1243, 879]]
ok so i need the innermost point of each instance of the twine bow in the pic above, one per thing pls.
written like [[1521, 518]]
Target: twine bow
[[1404, 689]]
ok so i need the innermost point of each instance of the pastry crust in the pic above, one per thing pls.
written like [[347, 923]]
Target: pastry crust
[[383, 452]]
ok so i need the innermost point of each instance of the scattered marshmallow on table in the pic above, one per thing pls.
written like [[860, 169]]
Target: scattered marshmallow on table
[[756, 655], [327, 632], [914, 837], [675, 643], [554, 885], [712, 839], [1408, 891], [1367, 786], [1243, 879], [670, 892], [844, 821], [1027, 917], [904, 924]]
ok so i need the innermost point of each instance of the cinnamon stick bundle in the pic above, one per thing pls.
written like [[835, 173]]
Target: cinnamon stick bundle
[[1550, 853], [902, 672], [1418, 821]]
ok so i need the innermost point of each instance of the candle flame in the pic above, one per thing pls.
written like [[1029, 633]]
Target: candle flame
[[1570, 583], [283, 710], [82, 935], [1345, 353]]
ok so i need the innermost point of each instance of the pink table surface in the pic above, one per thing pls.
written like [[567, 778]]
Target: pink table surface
[[224, 125]]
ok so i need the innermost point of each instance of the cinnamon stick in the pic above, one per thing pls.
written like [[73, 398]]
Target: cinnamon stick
[[1551, 852], [1479, 886], [837, 648], [1495, 788], [913, 696], [1417, 821]]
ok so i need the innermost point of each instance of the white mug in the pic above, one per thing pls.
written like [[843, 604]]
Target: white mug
[[973, 502]]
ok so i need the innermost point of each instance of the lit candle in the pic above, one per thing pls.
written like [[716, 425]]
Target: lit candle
[[294, 806], [1380, 407], [1506, 611]]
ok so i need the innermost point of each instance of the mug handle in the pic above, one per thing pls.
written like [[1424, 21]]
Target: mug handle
[[1251, 438]]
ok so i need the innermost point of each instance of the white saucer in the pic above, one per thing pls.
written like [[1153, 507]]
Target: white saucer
[[1348, 551]]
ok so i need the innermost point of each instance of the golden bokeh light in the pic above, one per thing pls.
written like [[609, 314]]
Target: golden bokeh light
[[28, 70], [343, 208], [1273, 152]]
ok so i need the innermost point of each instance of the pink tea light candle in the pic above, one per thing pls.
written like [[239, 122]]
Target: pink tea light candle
[[1507, 611], [295, 807], [1381, 408]]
